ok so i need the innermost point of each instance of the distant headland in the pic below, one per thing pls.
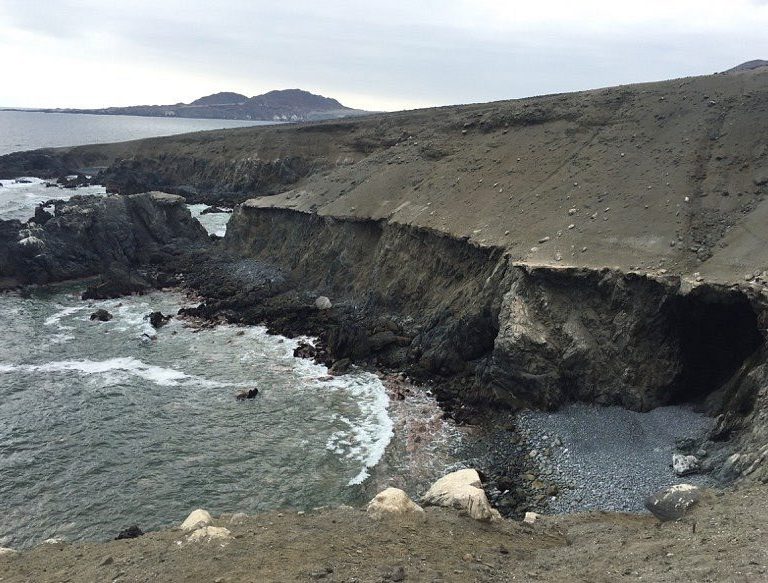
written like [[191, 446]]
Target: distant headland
[[280, 105]]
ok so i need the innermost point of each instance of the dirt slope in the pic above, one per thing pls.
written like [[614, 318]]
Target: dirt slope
[[669, 175], [723, 541]]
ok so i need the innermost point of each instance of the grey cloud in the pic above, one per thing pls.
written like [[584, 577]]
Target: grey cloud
[[396, 50]]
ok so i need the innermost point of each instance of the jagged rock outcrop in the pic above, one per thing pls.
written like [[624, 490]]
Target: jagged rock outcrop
[[90, 235]]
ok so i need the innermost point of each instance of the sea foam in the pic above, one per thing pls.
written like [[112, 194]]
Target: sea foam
[[159, 375]]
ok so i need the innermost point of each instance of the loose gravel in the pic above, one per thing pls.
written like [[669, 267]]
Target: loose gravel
[[609, 458]]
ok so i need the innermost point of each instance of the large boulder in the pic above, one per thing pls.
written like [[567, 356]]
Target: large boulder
[[392, 502], [197, 519], [6, 551], [462, 490], [674, 502]]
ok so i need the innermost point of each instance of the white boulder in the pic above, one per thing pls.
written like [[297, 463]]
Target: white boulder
[[392, 502], [6, 551], [209, 534], [685, 464], [323, 303], [197, 519], [464, 491], [531, 517]]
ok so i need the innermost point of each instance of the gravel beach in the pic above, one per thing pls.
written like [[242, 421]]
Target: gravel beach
[[609, 458]]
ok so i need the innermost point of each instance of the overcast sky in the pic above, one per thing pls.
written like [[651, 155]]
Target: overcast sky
[[397, 54]]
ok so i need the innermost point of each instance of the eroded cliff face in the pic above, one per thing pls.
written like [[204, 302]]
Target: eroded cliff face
[[504, 334]]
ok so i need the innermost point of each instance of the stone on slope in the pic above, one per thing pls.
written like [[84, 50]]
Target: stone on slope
[[323, 303], [674, 502], [209, 534], [197, 519], [392, 502], [464, 491]]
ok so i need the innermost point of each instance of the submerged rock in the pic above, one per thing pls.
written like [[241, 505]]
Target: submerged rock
[[392, 502], [674, 502], [158, 320], [101, 315], [197, 519], [461, 490], [247, 394]]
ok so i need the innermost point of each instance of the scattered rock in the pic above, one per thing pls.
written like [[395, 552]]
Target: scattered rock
[[674, 502], [531, 517], [106, 561], [461, 490], [130, 532], [340, 366], [685, 464], [197, 519], [392, 502], [101, 315], [238, 518]]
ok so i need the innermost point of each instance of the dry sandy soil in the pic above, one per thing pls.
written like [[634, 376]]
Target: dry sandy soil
[[724, 539]]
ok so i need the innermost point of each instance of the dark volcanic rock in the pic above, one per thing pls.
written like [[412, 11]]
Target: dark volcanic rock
[[247, 394], [157, 320], [130, 532], [101, 315], [116, 282], [90, 235]]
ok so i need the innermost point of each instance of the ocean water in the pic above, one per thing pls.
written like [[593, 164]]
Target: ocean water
[[29, 130], [108, 424]]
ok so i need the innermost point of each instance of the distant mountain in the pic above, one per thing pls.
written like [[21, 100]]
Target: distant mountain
[[223, 98], [748, 66], [283, 105]]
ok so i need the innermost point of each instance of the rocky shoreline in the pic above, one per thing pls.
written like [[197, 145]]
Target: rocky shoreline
[[592, 248], [459, 358]]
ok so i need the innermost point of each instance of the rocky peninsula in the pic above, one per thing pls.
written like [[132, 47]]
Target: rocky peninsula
[[600, 247]]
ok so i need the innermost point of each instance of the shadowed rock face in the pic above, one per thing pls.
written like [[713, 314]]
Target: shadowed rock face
[[91, 235]]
